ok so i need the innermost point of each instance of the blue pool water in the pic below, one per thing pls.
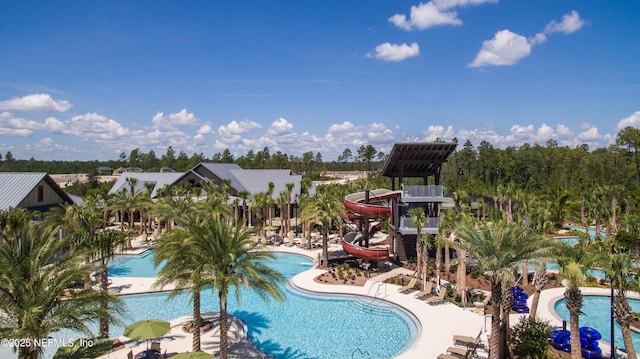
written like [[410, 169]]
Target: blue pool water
[[304, 326], [132, 266], [596, 311]]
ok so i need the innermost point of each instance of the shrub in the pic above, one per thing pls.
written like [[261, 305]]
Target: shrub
[[530, 338]]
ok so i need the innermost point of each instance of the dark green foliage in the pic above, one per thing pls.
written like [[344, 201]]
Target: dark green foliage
[[530, 338], [85, 348]]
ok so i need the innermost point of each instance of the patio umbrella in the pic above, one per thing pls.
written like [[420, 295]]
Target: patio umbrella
[[147, 329], [192, 355]]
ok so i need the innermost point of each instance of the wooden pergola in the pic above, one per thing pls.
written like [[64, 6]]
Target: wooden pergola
[[417, 160]]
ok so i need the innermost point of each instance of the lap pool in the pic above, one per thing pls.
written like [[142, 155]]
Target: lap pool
[[304, 326], [596, 309]]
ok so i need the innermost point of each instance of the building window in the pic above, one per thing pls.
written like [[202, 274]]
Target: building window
[[40, 193]]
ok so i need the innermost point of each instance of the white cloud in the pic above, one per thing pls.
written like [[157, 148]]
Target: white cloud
[[633, 121], [434, 132], [182, 118], [425, 16], [506, 48], [395, 52], [98, 127], [48, 145], [235, 128], [280, 127], [37, 102], [433, 13], [17, 126], [54, 125], [379, 133], [339, 128], [570, 23]]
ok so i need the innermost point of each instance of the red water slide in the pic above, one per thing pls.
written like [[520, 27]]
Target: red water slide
[[371, 206]]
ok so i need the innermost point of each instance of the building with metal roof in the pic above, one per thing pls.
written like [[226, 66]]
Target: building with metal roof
[[34, 191], [154, 180], [240, 180]]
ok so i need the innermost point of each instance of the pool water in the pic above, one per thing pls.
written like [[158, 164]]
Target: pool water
[[597, 310], [133, 266], [304, 326]]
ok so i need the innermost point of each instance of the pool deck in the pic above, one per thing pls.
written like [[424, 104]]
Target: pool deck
[[437, 324]]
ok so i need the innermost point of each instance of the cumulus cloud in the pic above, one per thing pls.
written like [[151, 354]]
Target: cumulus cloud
[[433, 13], [434, 132], [95, 126], [17, 126], [395, 52], [234, 128], [570, 23], [633, 121], [37, 102], [48, 145], [182, 118], [506, 48], [280, 127], [379, 133]]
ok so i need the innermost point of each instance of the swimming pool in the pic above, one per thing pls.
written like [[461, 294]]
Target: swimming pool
[[305, 326], [133, 266], [596, 309]]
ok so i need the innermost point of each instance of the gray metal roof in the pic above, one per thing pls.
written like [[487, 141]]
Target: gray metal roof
[[158, 179], [16, 186], [256, 181], [223, 171]]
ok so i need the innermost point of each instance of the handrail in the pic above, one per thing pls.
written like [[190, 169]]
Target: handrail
[[377, 292], [361, 353]]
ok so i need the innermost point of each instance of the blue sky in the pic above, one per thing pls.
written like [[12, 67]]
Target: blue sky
[[85, 80]]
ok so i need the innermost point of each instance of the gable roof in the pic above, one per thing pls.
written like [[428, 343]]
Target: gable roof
[[222, 171], [255, 181], [16, 186], [158, 179]]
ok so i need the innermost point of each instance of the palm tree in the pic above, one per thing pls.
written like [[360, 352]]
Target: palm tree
[[418, 218], [325, 207], [173, 206], [499, 248], [260, 203], [244, 195], [540, 280], [176, 253], [574, 277], [102, 247], [574, 262], [222, 248], [38, 271], [216, 203], [289, 188], [13, 221], [623, 277]]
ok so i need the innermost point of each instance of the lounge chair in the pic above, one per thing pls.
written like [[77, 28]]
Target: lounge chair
[[447, 356], [437, 299], [408, 287], [469, 341], [155, 346], [460, 352], [427, 290]]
